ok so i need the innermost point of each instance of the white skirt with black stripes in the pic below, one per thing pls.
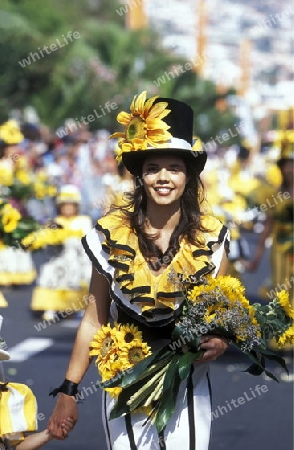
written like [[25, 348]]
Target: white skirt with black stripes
[[188, 429]]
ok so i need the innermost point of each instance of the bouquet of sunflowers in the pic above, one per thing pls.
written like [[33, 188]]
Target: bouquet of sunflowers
[[141, 379], [13, 226]]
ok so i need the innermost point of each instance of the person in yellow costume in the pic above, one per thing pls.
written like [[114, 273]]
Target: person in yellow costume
[[140, 251], [63, 281], [242, 177], [280, 226], [230, 208], [18, 413], [16, 265]]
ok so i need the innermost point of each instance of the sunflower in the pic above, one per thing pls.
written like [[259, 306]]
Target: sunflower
[[105, 343], [107, 373], [283, 298], [133, 353], [287, 337], [143, 125], [10, 218], [226, 285], [130, 332]]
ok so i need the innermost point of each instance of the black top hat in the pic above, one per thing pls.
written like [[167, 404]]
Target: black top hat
[[151, 135]]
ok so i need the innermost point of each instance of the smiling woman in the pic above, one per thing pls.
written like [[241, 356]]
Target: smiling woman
[[146, 252], [165, 179]]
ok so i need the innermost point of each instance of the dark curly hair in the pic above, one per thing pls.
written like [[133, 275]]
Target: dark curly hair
[[190, 224]]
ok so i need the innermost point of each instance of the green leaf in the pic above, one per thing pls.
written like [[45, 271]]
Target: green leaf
[[271, 375], [254, 369], [272, 356], [133, 374], [155, 367], [137, 372], [259, 363], [194, 343], [185, 362], [120, 408], [147, 388], [177, 333], [168, 400]]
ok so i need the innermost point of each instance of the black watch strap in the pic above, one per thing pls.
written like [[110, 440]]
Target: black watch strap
[[67, 387]]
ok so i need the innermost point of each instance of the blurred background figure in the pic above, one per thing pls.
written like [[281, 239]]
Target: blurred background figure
[[16, 265], [63, 280], [279, 224]]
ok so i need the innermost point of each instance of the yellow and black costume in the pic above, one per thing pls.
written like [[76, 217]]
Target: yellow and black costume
[[153, 302]]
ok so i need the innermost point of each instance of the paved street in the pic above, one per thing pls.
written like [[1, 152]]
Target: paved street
[[263, 420]]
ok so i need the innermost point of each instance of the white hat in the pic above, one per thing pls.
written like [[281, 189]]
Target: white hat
[[69, 194]]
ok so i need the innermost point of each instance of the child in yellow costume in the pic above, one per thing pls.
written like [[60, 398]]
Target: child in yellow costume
[[63, 281], [18, 413]]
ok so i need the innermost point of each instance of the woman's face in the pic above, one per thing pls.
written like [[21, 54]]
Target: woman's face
[[164, 179]]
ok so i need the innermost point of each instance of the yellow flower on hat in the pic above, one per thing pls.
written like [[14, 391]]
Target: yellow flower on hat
[[143, 125]]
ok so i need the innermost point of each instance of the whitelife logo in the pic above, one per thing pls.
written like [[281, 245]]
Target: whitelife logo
[[70, 37]]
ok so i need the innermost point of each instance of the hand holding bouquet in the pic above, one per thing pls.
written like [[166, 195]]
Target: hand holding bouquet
[[141, 379]]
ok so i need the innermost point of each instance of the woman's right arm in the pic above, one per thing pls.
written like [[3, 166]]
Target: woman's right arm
[[96, 315]]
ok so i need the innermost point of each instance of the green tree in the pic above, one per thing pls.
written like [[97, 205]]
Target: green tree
[[107, 63]]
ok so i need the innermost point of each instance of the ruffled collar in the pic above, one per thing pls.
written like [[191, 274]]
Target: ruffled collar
[[134, 275]]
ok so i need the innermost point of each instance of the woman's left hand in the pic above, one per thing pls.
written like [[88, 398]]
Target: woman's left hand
[[214, 346]]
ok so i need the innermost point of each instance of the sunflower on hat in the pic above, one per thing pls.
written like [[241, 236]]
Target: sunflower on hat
[[157, 124], [143, 125]]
